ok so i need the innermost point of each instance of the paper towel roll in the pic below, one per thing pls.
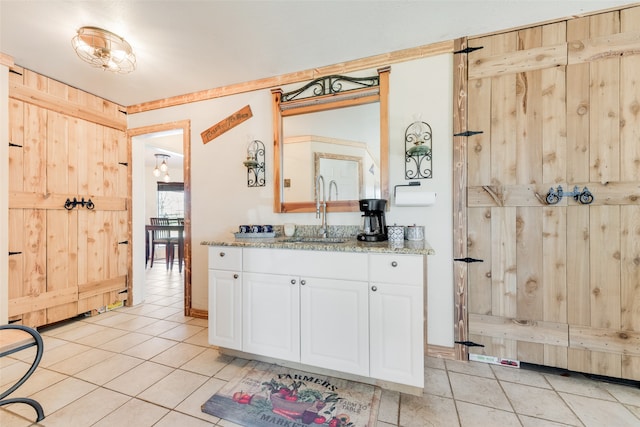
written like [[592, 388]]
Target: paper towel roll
[[415, 198]]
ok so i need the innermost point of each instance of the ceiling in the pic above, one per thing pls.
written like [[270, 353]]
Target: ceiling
[[189, 46]]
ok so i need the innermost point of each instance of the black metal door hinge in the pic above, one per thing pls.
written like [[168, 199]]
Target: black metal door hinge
[[468, 133], [468, 260], [469, 344], [123, 163], [468, 49], [11, 144], [124, 242], [14, 253]]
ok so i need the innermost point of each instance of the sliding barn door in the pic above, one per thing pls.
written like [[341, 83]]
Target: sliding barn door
[[64, 262], [557, 105]]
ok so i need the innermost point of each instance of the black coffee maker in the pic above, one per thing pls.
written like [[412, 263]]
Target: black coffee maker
[[374, 227]]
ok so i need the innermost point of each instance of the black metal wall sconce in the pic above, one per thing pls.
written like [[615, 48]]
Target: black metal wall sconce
[[70, 204], [255, 164], [417, 151], [584, 197]]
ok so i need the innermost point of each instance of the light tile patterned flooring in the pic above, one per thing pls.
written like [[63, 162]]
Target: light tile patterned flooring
[[151, 366]]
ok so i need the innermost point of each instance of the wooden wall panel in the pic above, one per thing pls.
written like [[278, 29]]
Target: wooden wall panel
[[16, 136], [529, 261], [503, 129], [503, 262], [578, 266], [16, 241], [578, 109], [61, 257], [34, 151], [35, 262], [95, 159], [604, 225], [479, 247], [630, 268], [630, 117], [554, 260], [605, 121], [110, 159], [528, 114], [479, 152], [57, 145]]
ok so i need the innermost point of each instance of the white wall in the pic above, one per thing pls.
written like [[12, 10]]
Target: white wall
[[221, 200]]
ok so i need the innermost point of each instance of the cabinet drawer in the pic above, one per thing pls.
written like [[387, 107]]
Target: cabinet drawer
[[330, 265], [392, 268], [225, 258]]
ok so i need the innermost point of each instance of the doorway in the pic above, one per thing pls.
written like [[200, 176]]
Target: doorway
[[140, 140]]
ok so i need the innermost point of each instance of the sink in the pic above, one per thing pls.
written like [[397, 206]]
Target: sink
[[315, 240]]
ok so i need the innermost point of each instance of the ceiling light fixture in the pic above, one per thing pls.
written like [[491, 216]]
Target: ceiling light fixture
[[164, 167], [104, 49]]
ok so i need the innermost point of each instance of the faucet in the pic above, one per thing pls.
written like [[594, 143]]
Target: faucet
[[321, 214], [333, 183]]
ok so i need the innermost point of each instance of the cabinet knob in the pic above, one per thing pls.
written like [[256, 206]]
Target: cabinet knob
[[235, 276], [374, 288], [293, 281], [394, 263], [303, 282], [222, 254]]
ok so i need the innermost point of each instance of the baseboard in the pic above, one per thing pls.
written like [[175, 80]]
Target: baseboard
[[199, 314], [441, 352]]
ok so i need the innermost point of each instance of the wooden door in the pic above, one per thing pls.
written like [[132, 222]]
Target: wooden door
[[558, 285], [64, 262]]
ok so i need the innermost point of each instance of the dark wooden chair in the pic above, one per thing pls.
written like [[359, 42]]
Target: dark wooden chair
[[162, 238], [178, 221]]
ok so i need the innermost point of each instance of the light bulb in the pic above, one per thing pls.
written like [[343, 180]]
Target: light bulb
[[166, 178], [156, 172], [164, 167]]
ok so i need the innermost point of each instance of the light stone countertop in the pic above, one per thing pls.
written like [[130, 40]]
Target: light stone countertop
[[336, 244]]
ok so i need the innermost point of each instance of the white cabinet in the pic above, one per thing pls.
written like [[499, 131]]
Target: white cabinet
[[355, 312], [334, 318], [271, 315], [396, 318], [225, 297]]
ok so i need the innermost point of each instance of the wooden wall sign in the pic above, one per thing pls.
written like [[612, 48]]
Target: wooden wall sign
[[224, 125]]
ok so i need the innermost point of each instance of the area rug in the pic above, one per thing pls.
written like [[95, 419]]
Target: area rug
[[266, 395]]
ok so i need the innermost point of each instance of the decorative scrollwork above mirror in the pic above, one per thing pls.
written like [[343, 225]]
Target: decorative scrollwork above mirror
[[345, 119]]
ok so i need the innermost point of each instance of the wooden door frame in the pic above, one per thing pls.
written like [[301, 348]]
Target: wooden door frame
[[185, 126], [460, 270]]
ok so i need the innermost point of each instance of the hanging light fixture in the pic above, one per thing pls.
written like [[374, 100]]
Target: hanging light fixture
[[163, 167], [104, 49]]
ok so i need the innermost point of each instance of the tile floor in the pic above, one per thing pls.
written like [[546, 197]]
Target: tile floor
[[151, 366]]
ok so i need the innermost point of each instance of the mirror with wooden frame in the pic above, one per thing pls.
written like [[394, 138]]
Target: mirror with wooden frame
[[337, 126]]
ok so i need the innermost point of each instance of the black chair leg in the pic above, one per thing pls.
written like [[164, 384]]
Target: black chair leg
[[26, 400]]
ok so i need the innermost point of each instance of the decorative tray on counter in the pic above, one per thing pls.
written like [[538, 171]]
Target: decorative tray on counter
[[271, 234]]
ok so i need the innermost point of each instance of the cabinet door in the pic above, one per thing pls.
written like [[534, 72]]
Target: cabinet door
[[225, 309], [396, 333], [334, 324], [271, 319]]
